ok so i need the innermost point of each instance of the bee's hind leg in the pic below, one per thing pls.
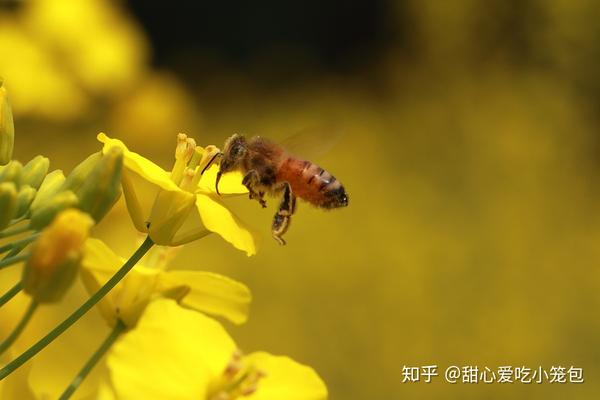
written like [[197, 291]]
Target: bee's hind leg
[[251, 179], [282, 219]]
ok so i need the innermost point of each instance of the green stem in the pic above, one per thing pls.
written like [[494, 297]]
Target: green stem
[[80, 312], [7, 262], [11, 293], [19, 328], [19, 243], [14, 251], [15, 231], [96, 357]]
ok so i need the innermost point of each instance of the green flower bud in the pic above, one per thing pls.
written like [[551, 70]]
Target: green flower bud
[[51, 186], [45, 213], [7, 128], [24, 199], [12, 173], [56, 256], [102, 187], [35, 171], [80, 173], [8, 203]]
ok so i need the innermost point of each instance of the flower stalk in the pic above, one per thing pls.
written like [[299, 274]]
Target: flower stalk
[[20, 326], [12, 292], [15, 231], [80, 312], [7, 262], [19, 243], [94, 359]]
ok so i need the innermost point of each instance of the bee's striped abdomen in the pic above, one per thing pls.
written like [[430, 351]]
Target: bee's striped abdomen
[[313, 184]]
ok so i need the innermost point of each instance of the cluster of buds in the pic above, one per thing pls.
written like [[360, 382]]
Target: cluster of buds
[[19, 186], [30, 192]]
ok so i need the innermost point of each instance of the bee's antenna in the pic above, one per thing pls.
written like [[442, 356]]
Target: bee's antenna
[[210, 162]]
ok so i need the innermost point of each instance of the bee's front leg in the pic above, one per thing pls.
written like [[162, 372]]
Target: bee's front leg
[[282, 219], [251, 180]]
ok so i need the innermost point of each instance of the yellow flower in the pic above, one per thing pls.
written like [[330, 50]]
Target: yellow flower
[[89, 34], [198, 290], [185, 192], [175, 353]]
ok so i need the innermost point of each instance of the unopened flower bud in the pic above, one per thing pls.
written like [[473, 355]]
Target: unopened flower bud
[[80, 173], [24, 199], [8, 203], [44, 214], [12, 173], [50, 186], [102, 188], [35, 171], [56, 255], [7, 128]]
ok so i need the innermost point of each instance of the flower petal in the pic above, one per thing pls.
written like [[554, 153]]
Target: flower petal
[[285, 379], [169, 213], [230, 183], [129, 298], [217, 218], [172, 353], [98, 265], [140, 165], [16, 385], [208, 292], [99, 257]]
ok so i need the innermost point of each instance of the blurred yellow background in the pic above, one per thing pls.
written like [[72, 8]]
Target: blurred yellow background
[[469, 149]]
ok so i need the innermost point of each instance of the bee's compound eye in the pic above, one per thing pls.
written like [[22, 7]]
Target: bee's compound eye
[[236, 151]]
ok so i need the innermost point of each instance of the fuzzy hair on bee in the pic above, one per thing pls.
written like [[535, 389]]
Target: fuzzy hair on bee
[[269, 169]]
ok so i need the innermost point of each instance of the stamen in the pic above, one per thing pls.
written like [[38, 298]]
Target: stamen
[[189, 150], [210, 152], [183, 154], [181, 145], [187, 182], [248, 390], [235, 364], [221, 396], [238, 379], [196, 157]]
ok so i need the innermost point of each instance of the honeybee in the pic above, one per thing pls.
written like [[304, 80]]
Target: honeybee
[[269, 169]]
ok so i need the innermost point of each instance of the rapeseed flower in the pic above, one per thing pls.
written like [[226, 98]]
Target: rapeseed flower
[[174, 353], [198, 290], [186, 192]]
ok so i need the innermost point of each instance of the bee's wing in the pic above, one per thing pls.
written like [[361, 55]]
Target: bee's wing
[[313, 142]]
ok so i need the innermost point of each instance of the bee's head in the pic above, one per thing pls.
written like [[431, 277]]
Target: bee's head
[[234, 152]]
